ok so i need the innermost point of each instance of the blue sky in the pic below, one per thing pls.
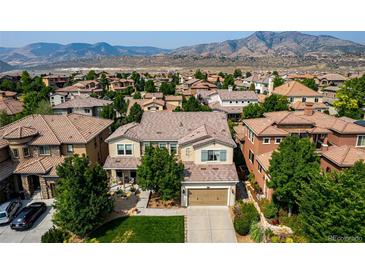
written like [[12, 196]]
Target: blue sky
[[162, 39]]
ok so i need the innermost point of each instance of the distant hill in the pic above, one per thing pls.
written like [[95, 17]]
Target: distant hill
[[5, 67], [39, 53], [264, 43]]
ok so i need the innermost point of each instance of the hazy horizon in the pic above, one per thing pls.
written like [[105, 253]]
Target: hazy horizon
[[160, 39]]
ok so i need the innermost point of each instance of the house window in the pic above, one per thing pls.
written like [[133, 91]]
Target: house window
[[86, 110], [243, 102], [173, 148], [304, 99], [26, 152], [251, 156], [230, 102], [120, 149], [266, 141], [162, 145], [291, 99], [277, 140], [70, 148], [360, 141], [236, 102], [187, 152], [15, 153], [125, 149], [250, 135], [316, 100], [213, 155], [44, 150], [145, 145], [259, 167]]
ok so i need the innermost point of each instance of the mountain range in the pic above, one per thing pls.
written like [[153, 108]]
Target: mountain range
[[262, 44]]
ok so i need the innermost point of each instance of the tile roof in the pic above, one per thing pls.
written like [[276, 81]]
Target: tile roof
[[10, 106], [150, 95], [227, 109], [173, 126], [154, 101], [83, 102], [173, 98], [209, 173], [39, 165], [264, 127], [333, 77], [57, 129], [20, 133], [121, 162], [227, 95], [301, 105], [295, 89], [344, 156]]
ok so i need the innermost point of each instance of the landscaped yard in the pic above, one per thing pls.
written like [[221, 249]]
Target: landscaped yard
[[141, 229]]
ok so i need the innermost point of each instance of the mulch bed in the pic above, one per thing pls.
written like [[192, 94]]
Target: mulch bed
[[156, 202]]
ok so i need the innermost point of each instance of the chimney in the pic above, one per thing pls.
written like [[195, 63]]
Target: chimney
[[308, 109], [324, 146], [230, 88]]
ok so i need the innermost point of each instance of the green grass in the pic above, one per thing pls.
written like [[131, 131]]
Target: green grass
[[141, 229]]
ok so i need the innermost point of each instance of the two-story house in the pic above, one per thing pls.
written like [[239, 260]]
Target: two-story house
[[82, 87], [55, 81], [339, 141], [83, 105], [228, 101], [36, 144], [299, 94], [201, 140], [117, 84], [156, 101]]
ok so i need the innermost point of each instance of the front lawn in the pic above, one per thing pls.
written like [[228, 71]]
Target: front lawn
[[141, 229]]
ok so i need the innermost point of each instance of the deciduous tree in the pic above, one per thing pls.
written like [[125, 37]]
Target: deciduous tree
[[81, 199]]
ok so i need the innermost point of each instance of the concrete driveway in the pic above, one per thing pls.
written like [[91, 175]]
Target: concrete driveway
[[210, 224], [33, 235]]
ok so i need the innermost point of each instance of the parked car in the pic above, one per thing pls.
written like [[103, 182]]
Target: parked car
[[28, 215], [8, 211]]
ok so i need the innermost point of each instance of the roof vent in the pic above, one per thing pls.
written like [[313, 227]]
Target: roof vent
[[203, 168], [215, 168]]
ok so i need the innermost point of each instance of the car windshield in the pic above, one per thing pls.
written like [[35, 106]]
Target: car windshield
[[2, 215]]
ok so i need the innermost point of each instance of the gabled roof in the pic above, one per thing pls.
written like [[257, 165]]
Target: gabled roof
[[344, 156], [150, 95], [176, 126], [264, 127], [227, 95], [264, 159], [39, 165], [154, 101], [83, 102], [333, 77], [295, 89]]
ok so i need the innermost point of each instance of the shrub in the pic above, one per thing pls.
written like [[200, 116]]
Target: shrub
[[257, 232], [55, 235], [269, 209], [275, 239], [245, 216], [242, 225]]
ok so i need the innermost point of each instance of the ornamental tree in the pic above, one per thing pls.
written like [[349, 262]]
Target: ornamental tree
[[81, 199], [332, 206], [160, 172], [292, 166]]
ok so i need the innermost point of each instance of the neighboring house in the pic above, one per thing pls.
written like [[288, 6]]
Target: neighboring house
[[117, 84], [82, 87], [55, 81], [330, 91], [331, 79], [338, 158], [201, 140], [156, 102], [261, 136], [263, 84], [82, 105], [9, 105], [299, 94], [32, 147], [57, 98], [228, 101], [8, 94]]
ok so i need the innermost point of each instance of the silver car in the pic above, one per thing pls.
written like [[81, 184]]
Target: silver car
[[8, 211]]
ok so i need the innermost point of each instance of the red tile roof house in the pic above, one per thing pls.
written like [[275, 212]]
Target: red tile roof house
[[228, 101], [32, 147], [339, 141], [201, 140], [82, 87], [9, 105]]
